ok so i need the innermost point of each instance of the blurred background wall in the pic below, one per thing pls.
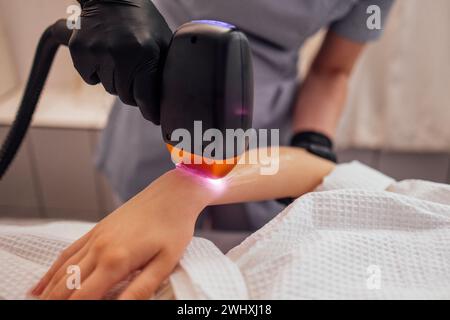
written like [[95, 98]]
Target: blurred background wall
[[22, 23], [397, 118], [9, 79], [400, 92]]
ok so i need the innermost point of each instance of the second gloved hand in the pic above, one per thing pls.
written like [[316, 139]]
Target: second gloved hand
[[122, 44]]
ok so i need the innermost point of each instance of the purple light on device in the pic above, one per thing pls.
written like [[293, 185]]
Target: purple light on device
[[241, 111], [216, 23]]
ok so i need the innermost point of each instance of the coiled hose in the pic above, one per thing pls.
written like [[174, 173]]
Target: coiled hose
[[54, 36]]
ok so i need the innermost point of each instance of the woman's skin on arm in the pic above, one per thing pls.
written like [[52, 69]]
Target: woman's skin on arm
[[323, 94], [151, 231], [299, 172]]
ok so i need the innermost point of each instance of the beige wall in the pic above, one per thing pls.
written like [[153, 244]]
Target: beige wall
[[8, 80], [400, 92], [23, 22], [66, 101]]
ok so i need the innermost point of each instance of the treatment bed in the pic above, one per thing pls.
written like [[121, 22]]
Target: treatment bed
[[359, 235]]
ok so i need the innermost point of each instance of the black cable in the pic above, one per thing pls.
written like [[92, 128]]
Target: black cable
[[54, 36]]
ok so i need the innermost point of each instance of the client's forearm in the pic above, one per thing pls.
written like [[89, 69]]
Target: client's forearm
[[299, 172]]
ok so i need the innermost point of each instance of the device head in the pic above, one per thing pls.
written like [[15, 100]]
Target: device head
[[207, 90]]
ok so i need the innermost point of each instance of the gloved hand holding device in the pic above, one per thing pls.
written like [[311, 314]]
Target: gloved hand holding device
[[122, 44], [128, 47]]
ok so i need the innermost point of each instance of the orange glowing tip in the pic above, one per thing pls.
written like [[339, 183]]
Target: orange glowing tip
[[214, 169]]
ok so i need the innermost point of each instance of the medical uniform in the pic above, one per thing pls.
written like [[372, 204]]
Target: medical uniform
[[132, 152]]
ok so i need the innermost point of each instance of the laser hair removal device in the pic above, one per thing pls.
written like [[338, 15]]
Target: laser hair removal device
[[207, 79]]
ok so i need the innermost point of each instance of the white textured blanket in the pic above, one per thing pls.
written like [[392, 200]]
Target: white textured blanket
[[361, 235]]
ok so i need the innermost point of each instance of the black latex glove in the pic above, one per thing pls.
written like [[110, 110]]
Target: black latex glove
[[122, 44], [315, 143]]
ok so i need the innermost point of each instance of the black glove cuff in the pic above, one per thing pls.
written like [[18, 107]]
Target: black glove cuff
[[315, 143]]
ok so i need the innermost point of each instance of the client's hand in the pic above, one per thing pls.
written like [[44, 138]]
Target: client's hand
[[148, 233]]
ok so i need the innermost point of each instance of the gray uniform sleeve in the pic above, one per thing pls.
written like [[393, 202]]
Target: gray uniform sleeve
[[354, 24]]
